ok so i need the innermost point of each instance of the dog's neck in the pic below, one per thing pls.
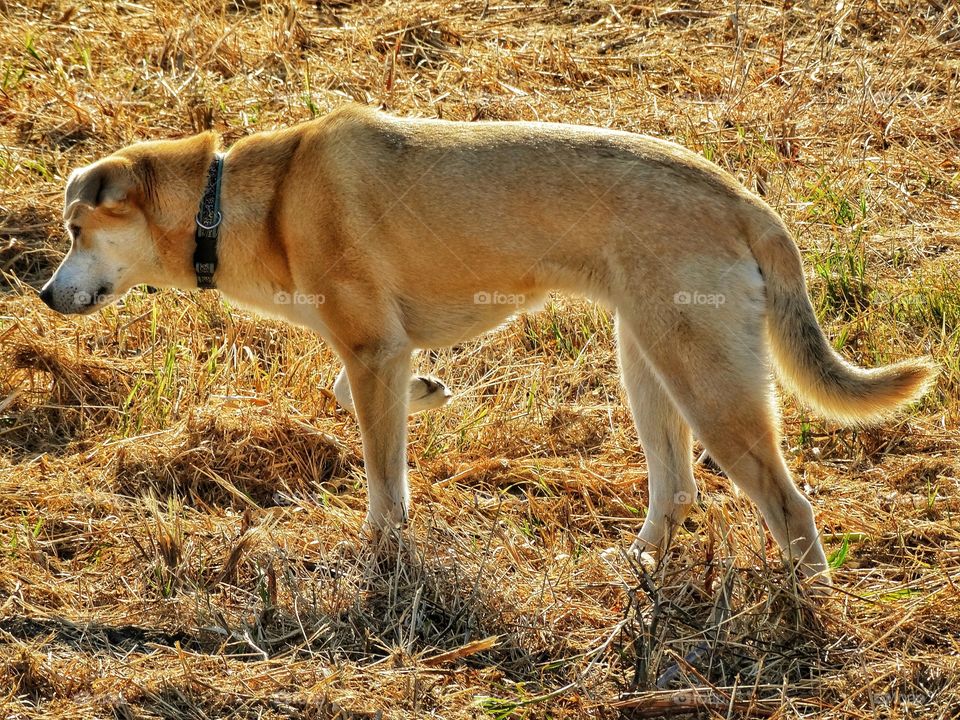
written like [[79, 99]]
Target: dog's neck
[[251, 260], [253, 265]]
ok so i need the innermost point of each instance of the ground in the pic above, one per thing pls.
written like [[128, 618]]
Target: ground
[[181, 498]]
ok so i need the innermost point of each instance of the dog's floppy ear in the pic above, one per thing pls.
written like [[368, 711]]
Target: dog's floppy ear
[[106, 184]]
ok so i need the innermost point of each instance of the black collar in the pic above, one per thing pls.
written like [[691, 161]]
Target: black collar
[[208, 226]]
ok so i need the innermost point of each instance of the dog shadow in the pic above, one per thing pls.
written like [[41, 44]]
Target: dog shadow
[[397, 602], [698, 622]]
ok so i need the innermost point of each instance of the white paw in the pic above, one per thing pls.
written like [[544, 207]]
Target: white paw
[[427, 393], [637, 553], [640, 552], [384, 519]]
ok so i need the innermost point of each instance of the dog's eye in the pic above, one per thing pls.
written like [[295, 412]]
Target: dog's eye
[[74, 231]]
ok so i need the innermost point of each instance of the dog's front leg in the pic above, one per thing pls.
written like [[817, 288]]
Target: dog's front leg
[[379, 382]]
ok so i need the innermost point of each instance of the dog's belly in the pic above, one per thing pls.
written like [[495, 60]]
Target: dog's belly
[[431, 324]]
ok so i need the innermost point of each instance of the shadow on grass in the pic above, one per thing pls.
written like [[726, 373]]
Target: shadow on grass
[[714, 637], [94, 638], [416, 607]]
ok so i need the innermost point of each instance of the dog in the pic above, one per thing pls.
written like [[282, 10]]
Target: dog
[[385, 235]]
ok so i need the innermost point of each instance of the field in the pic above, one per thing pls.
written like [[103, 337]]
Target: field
[[181, 497]]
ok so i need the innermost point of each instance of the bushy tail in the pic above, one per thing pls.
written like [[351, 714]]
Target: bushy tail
[[807, 362]]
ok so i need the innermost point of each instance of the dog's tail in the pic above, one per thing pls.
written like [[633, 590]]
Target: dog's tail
[[808, 364]]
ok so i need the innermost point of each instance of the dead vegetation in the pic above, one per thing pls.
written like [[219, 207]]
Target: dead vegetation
[[180, 498]]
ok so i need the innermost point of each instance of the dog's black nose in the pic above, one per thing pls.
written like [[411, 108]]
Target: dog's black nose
[[47, 296]]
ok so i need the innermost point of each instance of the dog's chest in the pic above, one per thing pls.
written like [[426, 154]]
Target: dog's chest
[[295, 307], [442, 324]]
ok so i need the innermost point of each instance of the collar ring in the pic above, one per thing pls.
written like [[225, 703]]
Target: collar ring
[[216, 223]]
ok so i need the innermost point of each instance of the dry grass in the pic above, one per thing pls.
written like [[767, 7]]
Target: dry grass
[[180, 497]]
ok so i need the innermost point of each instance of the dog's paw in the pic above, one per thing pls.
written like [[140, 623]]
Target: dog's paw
[[634, 554], [427, 393], [641, 554]]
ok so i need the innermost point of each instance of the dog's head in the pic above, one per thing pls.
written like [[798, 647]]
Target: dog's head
[[111, 245], [130, 220]]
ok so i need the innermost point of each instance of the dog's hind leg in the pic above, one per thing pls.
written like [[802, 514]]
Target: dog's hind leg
[[667, 446], [713, 365], [426, 393], [744, 441]]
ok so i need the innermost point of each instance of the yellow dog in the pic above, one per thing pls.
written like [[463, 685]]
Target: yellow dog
[[385, 235]]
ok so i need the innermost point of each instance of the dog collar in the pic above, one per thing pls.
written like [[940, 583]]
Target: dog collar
[[208, 226]]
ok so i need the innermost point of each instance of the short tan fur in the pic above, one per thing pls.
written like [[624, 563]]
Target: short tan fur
[[406, 233]]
